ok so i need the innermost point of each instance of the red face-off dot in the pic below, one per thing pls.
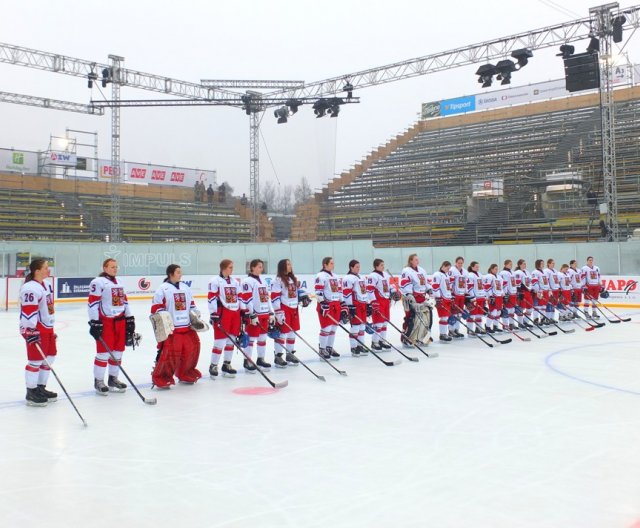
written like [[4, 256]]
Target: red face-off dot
[[255, 391]]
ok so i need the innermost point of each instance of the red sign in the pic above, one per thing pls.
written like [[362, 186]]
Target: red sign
[[138, 173]]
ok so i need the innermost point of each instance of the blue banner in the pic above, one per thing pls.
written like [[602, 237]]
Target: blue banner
[[459, 105], [69, 288]]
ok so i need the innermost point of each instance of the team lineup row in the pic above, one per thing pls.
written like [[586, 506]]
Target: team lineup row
[[243, 313]]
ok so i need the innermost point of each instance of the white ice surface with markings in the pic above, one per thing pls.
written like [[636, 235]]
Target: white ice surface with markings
[[530, 434]]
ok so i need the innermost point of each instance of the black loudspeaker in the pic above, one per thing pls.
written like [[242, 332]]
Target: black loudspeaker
[[582, 72]]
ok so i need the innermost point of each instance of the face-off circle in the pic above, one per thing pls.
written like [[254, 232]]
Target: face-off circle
[[255, 391]]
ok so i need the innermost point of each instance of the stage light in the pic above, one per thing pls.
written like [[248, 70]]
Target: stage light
[[320, 107], [281, 114], [504, 68], [106, 77], [594, 45], [485, 74], [522, 56], [293, 105], [566, 50], [91, 76], [618, 22]]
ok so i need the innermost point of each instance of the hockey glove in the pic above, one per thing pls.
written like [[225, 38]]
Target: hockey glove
[[324, 308], [439, 302], [304, 299], [344, 313], [253, 319], [491, 300], [95, 329], [130, 325], [396, 296], [369, 310], [520, 296], [272, 319], [604, 293], [280, 317], [214, 319], [31, 335], [352, 311]]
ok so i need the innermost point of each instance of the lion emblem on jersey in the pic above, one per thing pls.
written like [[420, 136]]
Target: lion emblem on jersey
[[363, 288], [421, 279], [334, 286], [117, 297], [545, 281], [385, 286], [180, 301], [263, 295], [230, 295]]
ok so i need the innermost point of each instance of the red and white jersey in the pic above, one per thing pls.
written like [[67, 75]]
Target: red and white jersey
[[414, 280], [539, 281], [553, 278], [107, 298], [441, 285], [176, 299], [523, 279], [565, 281], [285, 294], [36, 304], [458, 279], [492, 285], [223, 292], [379, 285], [475, 286], [328, 287], [354, 288], [254, 296], [508, 281], [591, 275], [577, 278]]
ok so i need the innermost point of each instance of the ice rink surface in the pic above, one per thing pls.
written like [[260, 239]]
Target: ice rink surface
[[530, 434]]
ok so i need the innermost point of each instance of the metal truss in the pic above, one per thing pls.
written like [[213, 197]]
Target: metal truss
[[251, 84], [53, 104], [257, 104]]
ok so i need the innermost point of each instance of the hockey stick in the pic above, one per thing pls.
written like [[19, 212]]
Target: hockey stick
[[513, 332], [341, 372], [366, 323], [413, 342], [44, 358], [459, 319], [586, 319], [321, 378], [148, 401], [387, 363], [552, 333], [574, 320], [501, 341], [527, 327], [599, 307], [280, 385]]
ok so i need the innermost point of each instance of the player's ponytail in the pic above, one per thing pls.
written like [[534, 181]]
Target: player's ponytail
[[471, 266], [34, 265]]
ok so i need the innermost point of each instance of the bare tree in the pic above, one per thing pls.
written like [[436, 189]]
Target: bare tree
[[285, 199], [303, 191], [269, 194]]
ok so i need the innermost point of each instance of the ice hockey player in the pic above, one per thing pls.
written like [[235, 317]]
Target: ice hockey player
[[477, 299], [592, 287], [564, 302], [525, 293], [381, 292], [417, 303], [330, 308], [355, 296], [257, 314], [554, 289], [495, 297], [441, 285], [510, 295], [37, 316], [577, 284], [111, 320], [458, 279], [286, 294], [540, 287], [180, 352], [224, 316]]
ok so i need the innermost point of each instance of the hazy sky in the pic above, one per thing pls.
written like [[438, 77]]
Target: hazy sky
[[279, 39]]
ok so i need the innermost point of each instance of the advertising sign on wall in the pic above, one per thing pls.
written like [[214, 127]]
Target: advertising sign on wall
[[18, 161]]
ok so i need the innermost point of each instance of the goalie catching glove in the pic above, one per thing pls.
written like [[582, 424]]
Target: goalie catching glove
[[197, 323]]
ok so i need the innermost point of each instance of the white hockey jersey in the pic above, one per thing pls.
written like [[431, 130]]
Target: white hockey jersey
[[508, 281], [177, 299], [459, 279], [492, 285], [553, 278], [539, 281], [354, 288], [591, 275], [254, 296], [523, 279], [379, 285], [565, 281], [475, 287], [414, 281], [285, 294], [107, 298], [223, 293], [36, 305], [577, 278], [328, 287], [441, 285]]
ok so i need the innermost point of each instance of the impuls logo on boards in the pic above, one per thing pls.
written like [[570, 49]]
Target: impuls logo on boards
[[144, 284]]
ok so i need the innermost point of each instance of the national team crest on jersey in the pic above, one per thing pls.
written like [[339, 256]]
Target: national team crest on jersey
[[462, 283], [385, 286], [545, 281], [117, 297], [230, 295], [593, 275], [363, 288], [50, 307], [180, 301], [263, 295], [421, 279], [333, 284], [292, 290], [498, 285]]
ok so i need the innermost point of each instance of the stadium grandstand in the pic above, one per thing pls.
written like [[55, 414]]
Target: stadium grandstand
[[45, 208], [520, 174]]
